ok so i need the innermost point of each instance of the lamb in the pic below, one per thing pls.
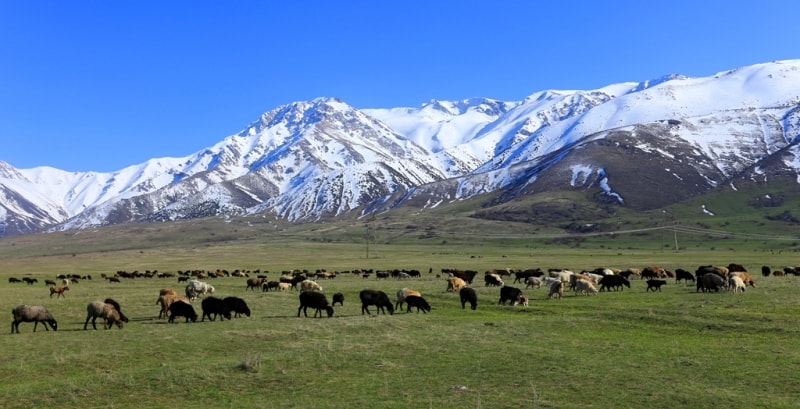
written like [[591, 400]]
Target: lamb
[[103, 310], [34, 314], [57, 289], [180, 308], [215, 306], [338, 297], [237, 306], [401, 296], [315, 300], [468, 295], [418, 302], [653, 284], [736, 284]]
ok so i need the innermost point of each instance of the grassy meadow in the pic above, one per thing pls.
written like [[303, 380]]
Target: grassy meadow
[[631, 349]]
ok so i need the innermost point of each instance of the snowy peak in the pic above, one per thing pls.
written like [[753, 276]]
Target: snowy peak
[[311, 160]]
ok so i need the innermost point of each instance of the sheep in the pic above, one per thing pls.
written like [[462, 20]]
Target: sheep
[[376, 298], [455, 284], [710, 281], [614, 281], [653, 284], [310, 285], [253, 283], [509, 294], [166, 301], [418, 302], [745, 276], [585, 287], [270, 285], [284, 287], [116, 307], [493, 280], [736, 284], [315, 300], [34, 314], [556, 290], [180, 308], [56, 289], [196, 288], [401, 296], [215, 306], [468, 295], [338, 297], [103, 310], [237, 306], [533, 282], [167, 291]]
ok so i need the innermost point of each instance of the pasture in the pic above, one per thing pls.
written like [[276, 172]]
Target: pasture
[[629, 349]]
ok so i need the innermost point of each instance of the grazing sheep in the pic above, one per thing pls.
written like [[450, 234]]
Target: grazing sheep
[[493, 280], [270, 285], [509, 294], [237, 306], [614, 281], [196, 288], [180, 308], [117, 307], [533, 282], [165, 301], [736, 284], [34, 314], [468, 295], [338, 297], [653, 284], [418, 302], [710, 281], [455, 284], [253, 283], [376, 298], [745, 276], [401, 296], [56, 289], [556, 290], [585, 287], [310, 285], [681, 274], [315, 300], [215, 306], [100, 309]]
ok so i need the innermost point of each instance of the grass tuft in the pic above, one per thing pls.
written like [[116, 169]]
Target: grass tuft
[[251, 362]]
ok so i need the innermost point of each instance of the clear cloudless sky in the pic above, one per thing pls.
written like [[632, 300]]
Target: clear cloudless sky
[[101, 85]]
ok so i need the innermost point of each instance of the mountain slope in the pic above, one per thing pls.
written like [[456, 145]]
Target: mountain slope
[[313, 160]]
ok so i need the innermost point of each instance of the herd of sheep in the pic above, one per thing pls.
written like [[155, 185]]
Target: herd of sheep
[[707, 278]]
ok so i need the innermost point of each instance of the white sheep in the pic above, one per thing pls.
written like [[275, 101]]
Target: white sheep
[[34, 314], [100, 309], [585, 287], [556, 290], [736, 284], [533, 282], [310, 285]]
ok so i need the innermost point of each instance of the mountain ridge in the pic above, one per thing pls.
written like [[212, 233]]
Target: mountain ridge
[[312, 160]]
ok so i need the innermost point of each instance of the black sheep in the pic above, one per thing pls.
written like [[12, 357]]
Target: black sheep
[[509, 294], [315, 300], [654, 284], [376, 298], [607, 282], [681, 274], [182, 309], [237, 306], [468, 295], [215, 306], [417, 301], [338, 297]]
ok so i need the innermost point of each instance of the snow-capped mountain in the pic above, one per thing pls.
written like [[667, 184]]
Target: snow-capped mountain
[[318, 159]]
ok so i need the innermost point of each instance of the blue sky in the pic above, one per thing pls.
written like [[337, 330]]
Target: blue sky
[[101, 85]]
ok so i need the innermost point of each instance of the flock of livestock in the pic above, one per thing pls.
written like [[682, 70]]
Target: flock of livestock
[[733, 278]]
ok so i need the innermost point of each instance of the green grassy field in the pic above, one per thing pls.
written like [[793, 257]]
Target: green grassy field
[[630, 349]]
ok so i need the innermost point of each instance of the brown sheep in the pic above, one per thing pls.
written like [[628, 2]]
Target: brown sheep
[[166, 301], [57, 289], [455, 284]]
